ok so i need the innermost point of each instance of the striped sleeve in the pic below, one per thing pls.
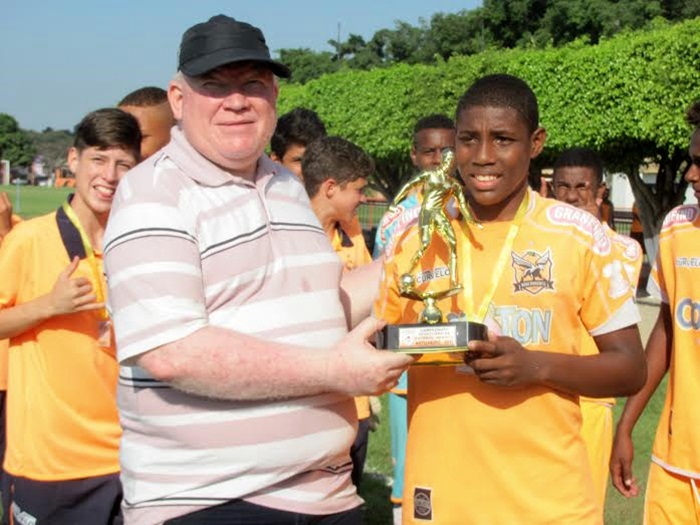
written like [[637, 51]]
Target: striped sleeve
[[153, 268]]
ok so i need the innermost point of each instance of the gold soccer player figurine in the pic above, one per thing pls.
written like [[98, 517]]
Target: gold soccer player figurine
[[432, 335], [439, 187]]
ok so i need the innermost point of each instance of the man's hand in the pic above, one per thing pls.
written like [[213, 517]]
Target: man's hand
[[357, 368], [71, 295], [621, 465], [5, 214], [502, 361]]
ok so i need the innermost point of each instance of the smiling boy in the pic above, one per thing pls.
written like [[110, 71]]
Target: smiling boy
[[62, 464], [496, 440]]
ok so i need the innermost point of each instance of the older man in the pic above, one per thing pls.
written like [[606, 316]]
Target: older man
[[237, 369]]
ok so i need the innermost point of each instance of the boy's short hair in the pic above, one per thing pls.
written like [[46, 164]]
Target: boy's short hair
[[435, 121], [108, 128], [502, 91], [580, 158], [300, 126], [336, 158], [692, 116], [145, 97]]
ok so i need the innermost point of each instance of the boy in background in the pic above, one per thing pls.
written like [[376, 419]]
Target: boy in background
[[150, 106], [294, 132], [577, 180]]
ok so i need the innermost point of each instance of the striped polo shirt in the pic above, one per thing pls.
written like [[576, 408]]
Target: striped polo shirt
[[189, 245]]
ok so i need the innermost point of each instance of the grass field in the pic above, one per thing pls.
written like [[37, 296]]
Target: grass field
[[618, 511], [30, 201]]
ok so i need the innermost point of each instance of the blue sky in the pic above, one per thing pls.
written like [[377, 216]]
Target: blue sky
[[61, 59]]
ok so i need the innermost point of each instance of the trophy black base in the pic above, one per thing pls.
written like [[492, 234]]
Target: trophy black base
[[422, 338]]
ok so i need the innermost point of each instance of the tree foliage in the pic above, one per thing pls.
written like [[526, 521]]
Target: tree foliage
[[500, 24], [625, 97], [15, 144], [53, 145]]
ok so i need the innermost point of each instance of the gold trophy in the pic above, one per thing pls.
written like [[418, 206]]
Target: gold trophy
[[433, 333]]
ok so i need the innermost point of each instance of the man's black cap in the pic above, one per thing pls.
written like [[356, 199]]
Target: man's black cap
[[223, 40]]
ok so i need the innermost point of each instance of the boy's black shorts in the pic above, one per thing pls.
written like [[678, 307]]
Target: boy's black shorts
[[85, 501]]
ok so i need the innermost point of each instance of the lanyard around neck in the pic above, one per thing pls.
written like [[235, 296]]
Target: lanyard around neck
[[89, 255], [497, 273]]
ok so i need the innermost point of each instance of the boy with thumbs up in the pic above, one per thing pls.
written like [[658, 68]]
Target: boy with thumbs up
[[63, 430]]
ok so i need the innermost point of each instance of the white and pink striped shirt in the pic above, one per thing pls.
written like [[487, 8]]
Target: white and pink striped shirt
[[189, 245]]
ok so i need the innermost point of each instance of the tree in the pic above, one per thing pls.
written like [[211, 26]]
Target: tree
[[15, 144], [53, 145], [307, 64]]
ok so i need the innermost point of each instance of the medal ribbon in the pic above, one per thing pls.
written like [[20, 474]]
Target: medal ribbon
[[89, 255], [497, 273]]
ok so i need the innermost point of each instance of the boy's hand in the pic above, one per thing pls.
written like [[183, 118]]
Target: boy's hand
[[502, 361], [621, 465], [72, 295]]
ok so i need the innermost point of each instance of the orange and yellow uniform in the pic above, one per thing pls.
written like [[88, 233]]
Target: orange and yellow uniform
[[349, 243], [62, 374], [478, 453], [674, 478], [597, 424]]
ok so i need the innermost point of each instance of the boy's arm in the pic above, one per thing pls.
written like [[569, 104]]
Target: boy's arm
[[658, 357], [5, 214], [358, 290], [618, 370], [69, 295]]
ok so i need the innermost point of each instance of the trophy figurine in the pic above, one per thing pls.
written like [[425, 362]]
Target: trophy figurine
[[432, 334]]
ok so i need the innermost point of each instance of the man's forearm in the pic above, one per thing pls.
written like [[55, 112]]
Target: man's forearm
[[219, 363]]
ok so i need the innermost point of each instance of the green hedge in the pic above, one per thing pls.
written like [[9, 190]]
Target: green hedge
[[625, 97]]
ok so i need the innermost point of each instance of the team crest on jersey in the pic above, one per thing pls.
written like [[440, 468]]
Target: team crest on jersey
[[533, 272], [422, 504]]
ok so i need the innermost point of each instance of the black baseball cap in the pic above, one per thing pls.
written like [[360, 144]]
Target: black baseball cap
[[224, 40]]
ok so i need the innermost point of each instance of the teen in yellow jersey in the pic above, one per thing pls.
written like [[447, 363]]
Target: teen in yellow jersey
[[62, 459], [496, 440], [673, 486], [578, 180]]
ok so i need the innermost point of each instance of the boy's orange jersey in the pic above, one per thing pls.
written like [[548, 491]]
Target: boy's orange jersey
[[675, 278], [483, 454], [62, 374]]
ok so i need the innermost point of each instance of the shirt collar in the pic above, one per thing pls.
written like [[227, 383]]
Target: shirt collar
[[70, 236], [205, 172]]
